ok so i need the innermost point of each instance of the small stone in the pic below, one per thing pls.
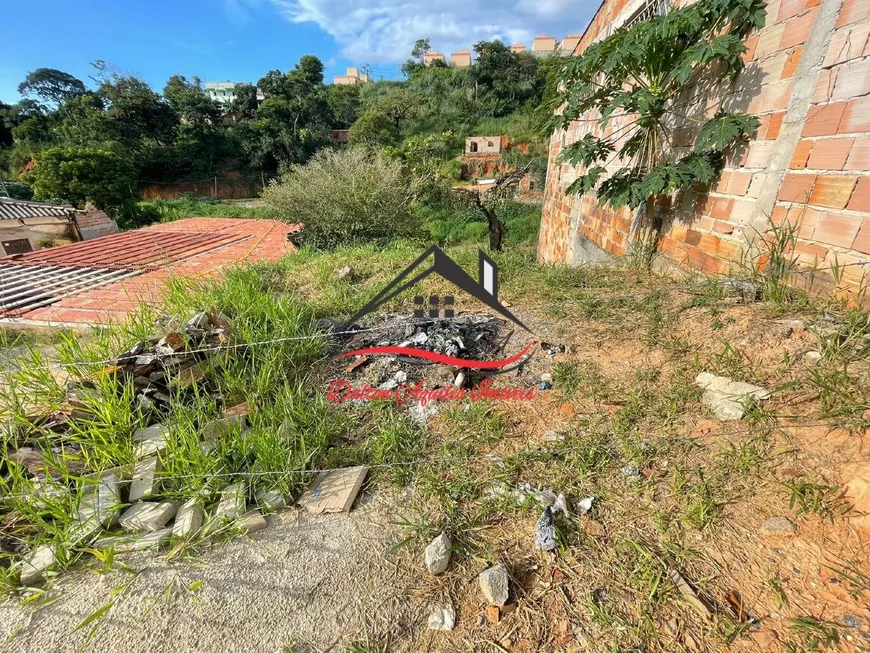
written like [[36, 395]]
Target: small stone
[[144, 483], [33, 569], [494, 583], [813, 357], [438, 554], [553, 436], [198, 321], [778, 526], [230, 508], [343, 273], [147, 516], [252, 522], [442, 617], [189, 519], [99, 506], [492, 614], [851, 621], [272, 500], [151, 540], [545, 533], [221, 427], [785, 328]]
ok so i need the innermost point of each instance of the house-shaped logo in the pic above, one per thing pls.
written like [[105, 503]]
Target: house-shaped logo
[[485, 289]]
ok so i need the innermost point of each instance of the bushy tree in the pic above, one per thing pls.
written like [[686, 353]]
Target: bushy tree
[[51, 85], [373, 128], [345, 195], [245, 101], [645, 76], [81, 175]]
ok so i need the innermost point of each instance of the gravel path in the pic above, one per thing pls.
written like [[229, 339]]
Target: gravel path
[[306, 583]]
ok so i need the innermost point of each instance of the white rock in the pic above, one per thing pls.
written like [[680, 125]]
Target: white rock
[[98, 507], [813, 357], [189, 519], [494, 584], [442, 617], [151, 540], [33, 569], [232, 503], [147, 516], [438, 554], [271, 500], [726, 398], [144, 483]]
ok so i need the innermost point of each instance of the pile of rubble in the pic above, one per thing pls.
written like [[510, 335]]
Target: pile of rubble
[[475, 337], [123, 506]]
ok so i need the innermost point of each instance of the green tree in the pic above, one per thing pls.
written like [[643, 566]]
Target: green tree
[[344, 101], [81, 175], [645, 73], [245, 101], [51, 85], [375, 129], [135, 113], [507, 80], [191, 103]]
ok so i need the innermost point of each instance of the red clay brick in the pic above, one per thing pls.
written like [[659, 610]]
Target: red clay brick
[[796, 188], [836, 229], [790, 8], [696, 258], [861, 196], [750, 44], [712, 265], [693, 237], [862, 241], [805, 218], [859, 157], [830, 154], [730, 250], [825, 120], [833, 191], [738, 183], [775, 125], [856, 116], [797, 30], [800, 155], [791, 63], [811, 253], [709, 243], [852, 11]]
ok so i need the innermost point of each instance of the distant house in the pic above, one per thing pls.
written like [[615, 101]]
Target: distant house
[[461, 59], [431, 57], [225, 92], [27, 226], [339, 136], [351, 76], [482, 145]]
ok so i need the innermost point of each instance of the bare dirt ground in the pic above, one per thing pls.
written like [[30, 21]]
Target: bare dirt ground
[[306, 583]]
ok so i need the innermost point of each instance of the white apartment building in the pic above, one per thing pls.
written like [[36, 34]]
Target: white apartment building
[[225, 92]]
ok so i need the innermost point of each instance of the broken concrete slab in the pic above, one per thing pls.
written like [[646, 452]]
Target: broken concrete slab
[[727, 398], [689, 595], [271, 500], [232, 503], [151, 440], [333, 490], [144, 483], [99, 505], [494, 583], [252, 521], [147, 516], [33, 569], [189, 519], [438, 554]]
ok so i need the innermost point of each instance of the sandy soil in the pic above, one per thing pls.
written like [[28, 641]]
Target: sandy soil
[[306, 583]]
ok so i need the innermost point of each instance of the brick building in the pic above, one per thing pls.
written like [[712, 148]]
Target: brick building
[[808, 80]]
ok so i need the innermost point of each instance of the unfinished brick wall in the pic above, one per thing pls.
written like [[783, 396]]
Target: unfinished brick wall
[[808, 79]]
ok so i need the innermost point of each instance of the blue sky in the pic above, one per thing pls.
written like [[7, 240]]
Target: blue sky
[[240, 40]]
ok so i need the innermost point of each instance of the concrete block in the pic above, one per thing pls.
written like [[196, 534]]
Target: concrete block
[[232, 503], [147, 516], [144, 483], [189, 519], [151, 540], [33, 569]]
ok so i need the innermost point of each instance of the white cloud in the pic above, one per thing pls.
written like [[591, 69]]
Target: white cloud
[[385, 30]]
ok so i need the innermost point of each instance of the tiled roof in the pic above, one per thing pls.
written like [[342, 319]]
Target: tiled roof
[[16, 209]]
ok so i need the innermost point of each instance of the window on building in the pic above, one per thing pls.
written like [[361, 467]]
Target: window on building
[[17, 246], [472, 146], [648, 10]]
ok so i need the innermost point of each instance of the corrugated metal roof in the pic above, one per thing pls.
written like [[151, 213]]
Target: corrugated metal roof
[[17, 209]]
